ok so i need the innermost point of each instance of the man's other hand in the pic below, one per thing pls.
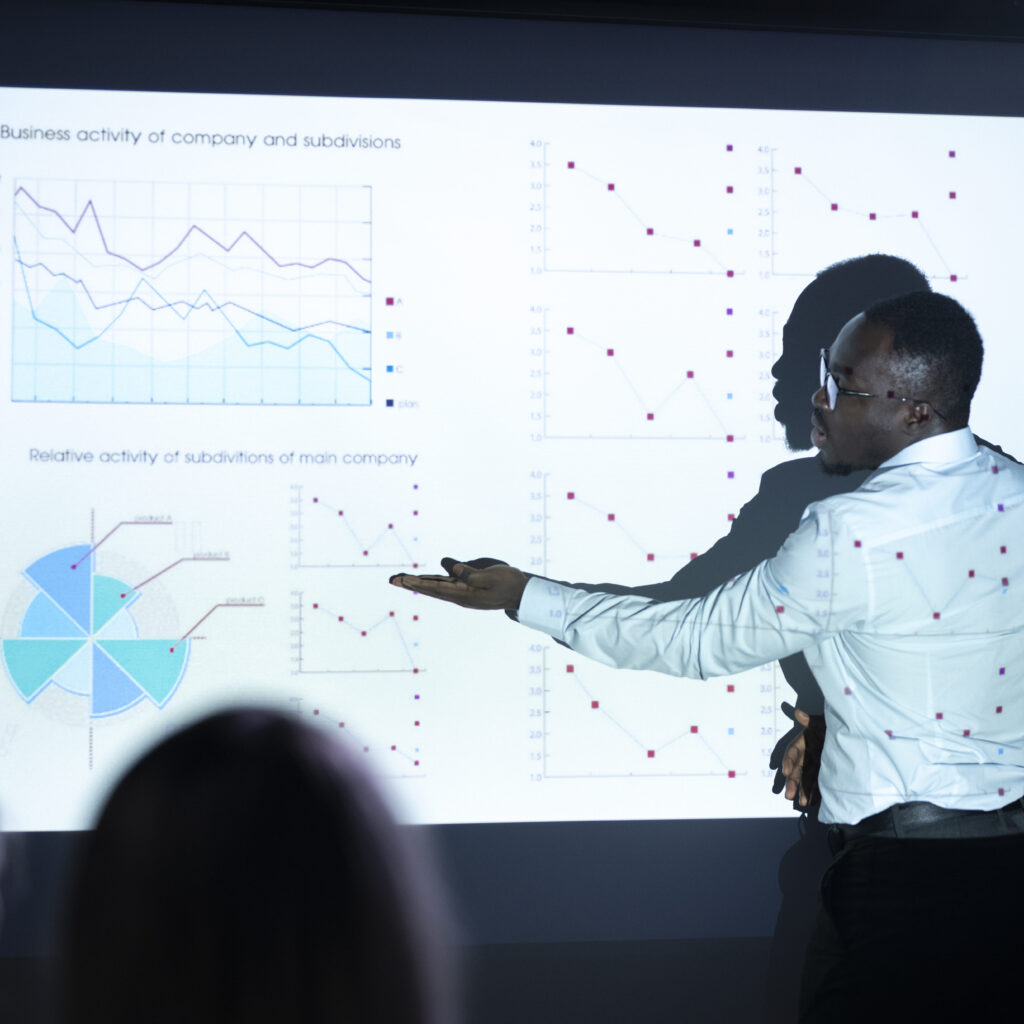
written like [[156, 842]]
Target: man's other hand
[[800, 758], [498, 586]]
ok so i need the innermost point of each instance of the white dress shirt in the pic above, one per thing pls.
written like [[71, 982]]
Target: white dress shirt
[[907, 598]]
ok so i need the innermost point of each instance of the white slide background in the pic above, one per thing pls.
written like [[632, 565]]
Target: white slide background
[[280, 372]]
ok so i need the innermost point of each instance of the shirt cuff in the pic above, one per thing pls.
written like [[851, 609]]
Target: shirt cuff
[[542, 607]]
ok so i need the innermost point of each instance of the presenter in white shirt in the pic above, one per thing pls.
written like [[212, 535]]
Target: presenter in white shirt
[[907, 598]]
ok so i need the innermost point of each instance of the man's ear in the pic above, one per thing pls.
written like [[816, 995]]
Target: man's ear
[[919, 418]]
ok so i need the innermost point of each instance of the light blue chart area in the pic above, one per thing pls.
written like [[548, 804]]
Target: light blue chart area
[[78, 634], [161, 293]]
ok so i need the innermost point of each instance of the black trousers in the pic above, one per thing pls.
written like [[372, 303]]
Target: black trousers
[[918, 930]]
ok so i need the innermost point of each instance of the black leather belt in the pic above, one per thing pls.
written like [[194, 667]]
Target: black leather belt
[[924, 820]]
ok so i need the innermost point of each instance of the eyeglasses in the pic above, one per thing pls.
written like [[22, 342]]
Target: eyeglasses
[[833, 390]]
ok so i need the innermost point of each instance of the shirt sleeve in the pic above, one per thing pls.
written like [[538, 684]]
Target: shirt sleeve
[[785, 604]]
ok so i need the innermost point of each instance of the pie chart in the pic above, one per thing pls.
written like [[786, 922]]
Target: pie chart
[[78, 634]]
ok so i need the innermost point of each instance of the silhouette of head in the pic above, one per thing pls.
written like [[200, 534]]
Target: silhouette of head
[[903, 370], [246, 870], [836, 295]]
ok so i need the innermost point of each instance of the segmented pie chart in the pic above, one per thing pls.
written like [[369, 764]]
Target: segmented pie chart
[[78, 634]]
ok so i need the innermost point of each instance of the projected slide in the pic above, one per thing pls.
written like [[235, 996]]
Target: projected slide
[[191, 293], [264, 352]]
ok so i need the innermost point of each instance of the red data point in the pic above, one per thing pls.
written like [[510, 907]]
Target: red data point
[[696, 243], [936, 615], [610, 352], [571, 495], [999, 709], [366, 552], [1002, 549], [572, 164], [952, 153], [415, 723], [315, 605], [872, 216], [967, 732], [416, 763], [611, 186], [341, 618], [780, 608], [888, 732], [693, 555], [340, 513], [416, 618], [729, 273], [1002, 792], [570, 330], [970, 573], [393, 747], [315, 500], [899, 554], [650, 753], [728, 353], [798, 170], [392, 614], [415, 671], [650, 415], [732, 775], [650, 231], [689, 374], [1002, 671], [611, 517], [729, 438], [856, 543], [847, 691], [389, 301], [316, 711], [1006, 581], [693, 728], [995, 469], [391, 526], [362, 632], [938, 714], [594, 703], [650, 558], [730, 688], [570, 668], [728, 147], [952, 195], [728, 188], [952, 277], [835, 206]]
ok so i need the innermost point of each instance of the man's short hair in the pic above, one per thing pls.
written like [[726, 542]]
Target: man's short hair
[[938, 346]]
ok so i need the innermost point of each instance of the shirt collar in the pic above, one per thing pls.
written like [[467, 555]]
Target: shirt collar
[[951, 446]]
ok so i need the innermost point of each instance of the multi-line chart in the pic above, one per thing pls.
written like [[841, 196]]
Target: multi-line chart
[[144, 292]]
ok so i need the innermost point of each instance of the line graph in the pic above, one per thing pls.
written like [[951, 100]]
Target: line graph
[[823, 210], [640, 525], [326, 532], [633, 374], [344, 634], [603, 723], [664, 216], [132, 292]]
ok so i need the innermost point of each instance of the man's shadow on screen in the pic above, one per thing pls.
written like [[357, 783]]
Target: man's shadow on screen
[[835, 296]]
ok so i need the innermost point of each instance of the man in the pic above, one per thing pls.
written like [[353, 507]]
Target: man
[[901, 594]]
